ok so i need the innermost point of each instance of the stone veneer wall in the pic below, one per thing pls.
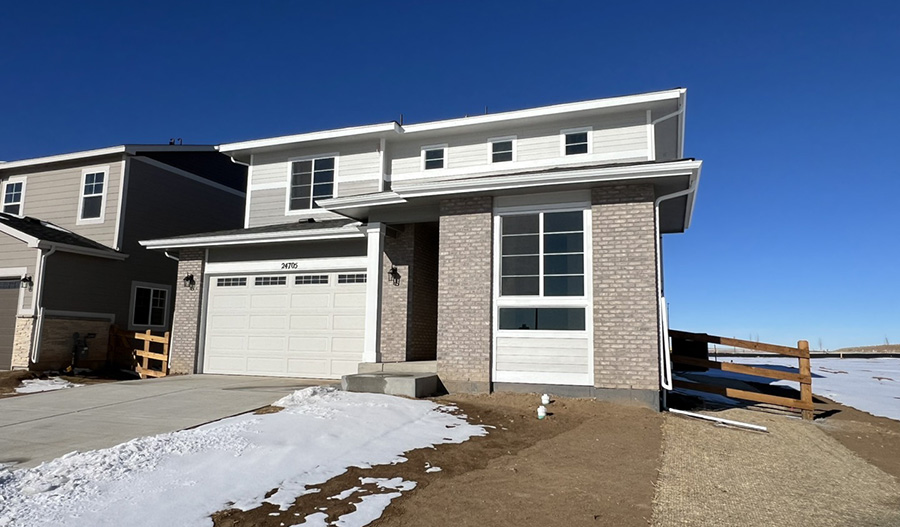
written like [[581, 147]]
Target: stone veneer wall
[[22, 343], [464, 294], [626, 334], [186, 316]]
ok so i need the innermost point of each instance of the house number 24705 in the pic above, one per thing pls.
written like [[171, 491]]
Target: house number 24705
[[289, 265]]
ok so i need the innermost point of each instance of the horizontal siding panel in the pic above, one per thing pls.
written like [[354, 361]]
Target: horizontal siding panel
[[540, 367], [354, 188], [550, 355], [267, 207]]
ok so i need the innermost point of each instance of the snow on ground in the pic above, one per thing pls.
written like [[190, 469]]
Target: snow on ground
[[44, 385], [870, 385], [181, 478]]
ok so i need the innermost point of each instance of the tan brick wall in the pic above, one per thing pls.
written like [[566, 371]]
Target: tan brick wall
[[464, 298], [57, 343], [626, 341], [22, 343], [186, 317], [422, 333], [395, 308]]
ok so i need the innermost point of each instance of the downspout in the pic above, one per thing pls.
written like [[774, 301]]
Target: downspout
[[39, 301], [665, 362], [170, 256]]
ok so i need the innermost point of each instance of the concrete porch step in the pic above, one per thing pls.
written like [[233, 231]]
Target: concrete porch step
[[392, 383], [422, 366]]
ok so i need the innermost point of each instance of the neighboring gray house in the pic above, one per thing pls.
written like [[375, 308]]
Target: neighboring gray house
[[69, 257], [518, 250]]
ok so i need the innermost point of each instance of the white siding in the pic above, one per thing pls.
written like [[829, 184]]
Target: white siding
[[550, 360]]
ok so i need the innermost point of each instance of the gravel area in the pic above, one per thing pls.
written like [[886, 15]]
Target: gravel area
[[794, 475]]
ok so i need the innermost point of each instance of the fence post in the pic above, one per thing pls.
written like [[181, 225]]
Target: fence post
[[806, 383]]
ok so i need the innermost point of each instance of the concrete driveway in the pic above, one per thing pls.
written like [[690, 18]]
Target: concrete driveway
[[42, 426]]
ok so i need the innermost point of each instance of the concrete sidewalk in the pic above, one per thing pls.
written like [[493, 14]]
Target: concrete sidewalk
[[39, 427]]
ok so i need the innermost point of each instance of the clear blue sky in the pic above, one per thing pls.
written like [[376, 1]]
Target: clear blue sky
[[793, 106]]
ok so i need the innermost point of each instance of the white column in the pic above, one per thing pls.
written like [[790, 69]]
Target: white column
[[374, 255]]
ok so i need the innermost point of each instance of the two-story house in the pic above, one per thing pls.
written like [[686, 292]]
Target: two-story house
[[518, 250], [70, 261]]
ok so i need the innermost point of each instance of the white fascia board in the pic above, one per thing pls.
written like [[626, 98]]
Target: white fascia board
[[539, 179], [63, 157], [310, 136], [383, 198], [75, 249], [543, 111], [692, 199], [19, 235], [254, 238]]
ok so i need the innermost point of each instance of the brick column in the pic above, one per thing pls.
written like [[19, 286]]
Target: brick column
[[464, 297], [186, 317], [395, 312], [626, 344]]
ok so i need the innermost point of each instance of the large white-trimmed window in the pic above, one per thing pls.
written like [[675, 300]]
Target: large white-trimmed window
[[311, 179], [543, 270], [575, 141], [92, 200], [149, 305], [434, 157], [13, 196], [502, 149]]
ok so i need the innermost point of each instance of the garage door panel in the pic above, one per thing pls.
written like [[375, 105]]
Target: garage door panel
[[270, 301], [350, 322], [308, 345], [349, 299], [289, 329], [309, 322], [306, 301], [268, 321], [344, 344]]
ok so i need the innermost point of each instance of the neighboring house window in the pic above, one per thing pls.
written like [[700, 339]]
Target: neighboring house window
[[434, 157], [150, 305], [503, 149], [13, 197], [311, 180], [93, 196], [576, 141]]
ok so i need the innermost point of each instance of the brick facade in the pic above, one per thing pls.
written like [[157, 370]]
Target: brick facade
[[22, 343], [626, 334], [57, 343], [409, 309], [186, 317], [464, 294]]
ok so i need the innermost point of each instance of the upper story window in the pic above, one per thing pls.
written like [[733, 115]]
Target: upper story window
[[92, 204], [576, 141], [14, 197], [311, 180], [542, 254], [502, 149], [434, 156]]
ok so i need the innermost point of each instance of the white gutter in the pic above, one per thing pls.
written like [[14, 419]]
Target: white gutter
[[665, 361], [172, 257], [39, 300]]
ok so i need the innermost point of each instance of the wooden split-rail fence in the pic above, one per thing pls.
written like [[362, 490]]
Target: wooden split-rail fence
[[149, 352], [803, 375]]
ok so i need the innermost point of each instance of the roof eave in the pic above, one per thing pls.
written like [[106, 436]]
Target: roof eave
[[252, 239]]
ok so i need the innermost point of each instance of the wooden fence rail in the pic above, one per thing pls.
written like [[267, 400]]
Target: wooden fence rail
[[143, 368], [129, 349], [804, 375]]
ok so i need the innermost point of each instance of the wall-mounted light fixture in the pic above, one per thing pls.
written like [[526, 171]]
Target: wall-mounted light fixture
[[27, 282], [395, 275], [189, 282]]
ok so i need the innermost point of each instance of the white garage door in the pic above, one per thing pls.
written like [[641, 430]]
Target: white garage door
[[290, 325]]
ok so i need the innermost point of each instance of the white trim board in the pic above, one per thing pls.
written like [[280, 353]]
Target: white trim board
[[57, 313], [277, 266]]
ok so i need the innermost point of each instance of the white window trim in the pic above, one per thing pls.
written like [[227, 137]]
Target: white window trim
[[148, 285], [434, 147], [92, 221], [490, 145], [287, 191], [586, 301], [590, 140], [11, 180]]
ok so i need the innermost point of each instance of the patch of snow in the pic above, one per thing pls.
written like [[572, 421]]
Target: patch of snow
[[433, 469], [186, 476], [314, 520], [344, 494], [44, 385], [871, 385]]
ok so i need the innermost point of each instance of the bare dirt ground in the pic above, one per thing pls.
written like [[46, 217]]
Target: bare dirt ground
[[800, 473], [589, 463]]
